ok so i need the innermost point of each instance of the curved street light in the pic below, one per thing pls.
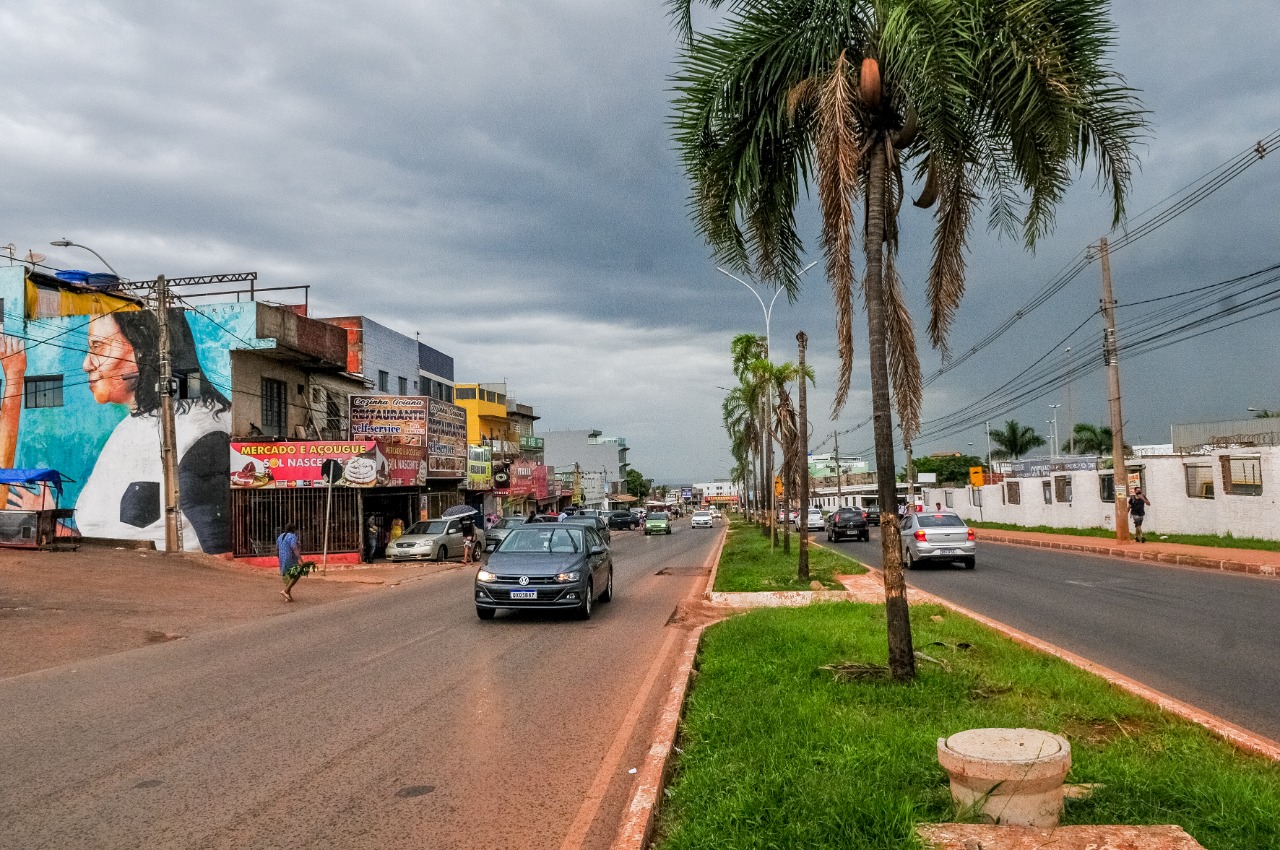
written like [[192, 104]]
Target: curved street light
[[67, 243]]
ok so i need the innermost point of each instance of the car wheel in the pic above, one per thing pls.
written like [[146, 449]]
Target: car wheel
[[908, 560], [830, 536], [970, 563], [607, 596], [442, 553], [485, 613], [584, 609]]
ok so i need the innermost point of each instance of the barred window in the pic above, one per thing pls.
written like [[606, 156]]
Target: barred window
[[1107, 488], [975, 496], [1199, 478], [1013, 492], [1062, 488], [1046, 487], [1242, 475], [275, 408], [43, 391]]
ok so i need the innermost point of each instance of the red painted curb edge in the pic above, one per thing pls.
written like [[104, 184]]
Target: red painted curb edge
[[1180, 559], [637, 824]]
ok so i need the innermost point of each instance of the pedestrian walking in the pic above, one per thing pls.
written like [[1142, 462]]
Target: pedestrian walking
[[1138, 512], [370, 538], [468, 542], [289, 553]]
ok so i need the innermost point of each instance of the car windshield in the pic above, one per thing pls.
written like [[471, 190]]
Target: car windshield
[[657, 516], [939, 521], [702, 513], [435, 526], [580, 520], [547, 541], [621, 514]]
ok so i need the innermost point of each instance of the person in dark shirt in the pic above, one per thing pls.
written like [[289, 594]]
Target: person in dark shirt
[[1138, 512]]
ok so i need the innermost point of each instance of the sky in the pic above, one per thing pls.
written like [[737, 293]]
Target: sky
[[500, 178]]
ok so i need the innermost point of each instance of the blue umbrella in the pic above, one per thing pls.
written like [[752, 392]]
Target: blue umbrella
[[458, 510]]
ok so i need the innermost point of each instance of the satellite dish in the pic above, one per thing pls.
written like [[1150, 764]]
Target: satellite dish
[[33, 257]]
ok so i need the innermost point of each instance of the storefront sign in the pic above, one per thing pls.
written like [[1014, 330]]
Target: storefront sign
[[446, 440], [479, 468], [280, 465], [531, 444], [402, 418], [540, 482], [1043, 467], [406, 465]]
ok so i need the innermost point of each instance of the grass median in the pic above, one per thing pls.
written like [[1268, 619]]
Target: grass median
[[748, 564], [1221, 541], [777, 752]]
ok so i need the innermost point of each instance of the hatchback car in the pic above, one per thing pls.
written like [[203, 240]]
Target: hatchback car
[[701, 519], [937, 536], [543, 566], [848, 522], [623, 520], [429, 540], [596, 522], [815, 520], [500, 529], [873, 514], [657, 522]]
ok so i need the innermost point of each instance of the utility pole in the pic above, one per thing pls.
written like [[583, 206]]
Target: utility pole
[[839, 491], [911, 475], [803, 341], [168, 440], [1110, 357]]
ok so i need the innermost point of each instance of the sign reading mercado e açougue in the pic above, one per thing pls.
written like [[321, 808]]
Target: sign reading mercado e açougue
[[301, 464]]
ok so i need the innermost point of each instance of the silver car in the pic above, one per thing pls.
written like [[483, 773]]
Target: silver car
[[430, 540], [937, 536]]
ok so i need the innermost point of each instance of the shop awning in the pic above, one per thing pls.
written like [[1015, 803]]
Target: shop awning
[[622, 497], [33, 476]]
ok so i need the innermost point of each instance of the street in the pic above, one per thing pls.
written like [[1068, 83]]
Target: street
[[390, 719], [1204, 637]]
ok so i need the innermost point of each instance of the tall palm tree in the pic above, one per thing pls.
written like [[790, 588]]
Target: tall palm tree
[[1015, 440], [1001, 98], [1091, 440]]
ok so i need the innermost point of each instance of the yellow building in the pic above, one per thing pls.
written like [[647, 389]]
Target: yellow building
[[486, 407]]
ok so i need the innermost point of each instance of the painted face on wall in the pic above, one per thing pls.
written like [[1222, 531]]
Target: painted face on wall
[[110, 364]]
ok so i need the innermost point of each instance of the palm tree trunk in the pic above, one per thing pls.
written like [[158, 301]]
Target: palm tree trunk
[[766, 476], [802, 458], [902, 664]]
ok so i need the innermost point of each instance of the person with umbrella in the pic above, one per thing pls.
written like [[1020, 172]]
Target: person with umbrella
[[466, 514]]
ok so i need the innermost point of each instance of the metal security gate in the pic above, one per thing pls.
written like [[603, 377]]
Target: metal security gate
[[258, 517]]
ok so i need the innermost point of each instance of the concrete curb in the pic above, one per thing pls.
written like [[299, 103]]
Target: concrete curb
[[642, 810], [1136, 554]]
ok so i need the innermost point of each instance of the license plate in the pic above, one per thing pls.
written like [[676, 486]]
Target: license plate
[[951, 551], [524, 594]]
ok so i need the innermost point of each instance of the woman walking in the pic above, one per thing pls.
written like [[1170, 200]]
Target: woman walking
[[289, 553]]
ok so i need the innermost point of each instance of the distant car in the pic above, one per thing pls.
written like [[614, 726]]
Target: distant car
[[596, 522], [715, 513], [546, 566], [701, 519], [937, 536], [429, 540], [815, 520], [657, 522], [623, 520], [848, 522], [543, 518], [873, 515], [501, 529]]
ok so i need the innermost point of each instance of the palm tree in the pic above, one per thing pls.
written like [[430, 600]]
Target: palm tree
[[1000, 98], [1015, 440], [1091, 440]]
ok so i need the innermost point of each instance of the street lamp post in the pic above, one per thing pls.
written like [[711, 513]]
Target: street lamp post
[[67, 243], [1053, 452]]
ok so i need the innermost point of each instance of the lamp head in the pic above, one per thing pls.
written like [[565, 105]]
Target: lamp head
[[62, 243]]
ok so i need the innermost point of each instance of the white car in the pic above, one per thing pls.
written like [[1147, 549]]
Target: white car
[[816, 520], [715, 514], [701, 519]]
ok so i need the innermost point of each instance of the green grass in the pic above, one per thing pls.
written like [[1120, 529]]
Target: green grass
[[748, 565], [1224, 541], [777, 754]]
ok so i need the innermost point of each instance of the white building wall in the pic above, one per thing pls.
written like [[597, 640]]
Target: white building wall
[[1171, 510]]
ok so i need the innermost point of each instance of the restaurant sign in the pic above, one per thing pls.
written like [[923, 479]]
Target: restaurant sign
[[399, 418], [446, 440], [301, 463]]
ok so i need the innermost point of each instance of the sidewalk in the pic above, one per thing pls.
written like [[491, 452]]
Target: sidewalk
[[1252, 561]]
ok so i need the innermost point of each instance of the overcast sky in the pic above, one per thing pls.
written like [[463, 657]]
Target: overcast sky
[[499, 176]]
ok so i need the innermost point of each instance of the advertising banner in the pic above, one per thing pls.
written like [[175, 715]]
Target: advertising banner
[[479, 468], [522, 484], [398, 418], [446, 440], [540, 490], [406, 464], [280, 465]]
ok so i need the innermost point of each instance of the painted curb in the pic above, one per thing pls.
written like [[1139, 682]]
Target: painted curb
[[1176, 558]]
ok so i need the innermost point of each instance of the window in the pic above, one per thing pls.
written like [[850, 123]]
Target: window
[[43, 391], [1046, 487], [404, 386], [949, 498], [1012, 493], [1107, 488], [1242, 475], [975, 496], [1062, 488], [1199, 477], [465, 393], [333, 419], [384, 381], [275, 408]]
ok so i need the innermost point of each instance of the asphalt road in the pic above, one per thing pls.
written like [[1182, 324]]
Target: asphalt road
[[393, 719], [1204, 637]]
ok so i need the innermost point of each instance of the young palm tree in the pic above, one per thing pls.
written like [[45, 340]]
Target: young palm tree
[[1015, 440], [1091, 439], [1001, 98]]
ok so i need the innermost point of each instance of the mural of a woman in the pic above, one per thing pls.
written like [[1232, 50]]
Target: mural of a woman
[[122, 497]]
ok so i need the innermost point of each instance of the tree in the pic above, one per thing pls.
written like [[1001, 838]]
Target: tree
[[994, 97], [952, 470], [1015, 440], [1091, 440], [637, 485]]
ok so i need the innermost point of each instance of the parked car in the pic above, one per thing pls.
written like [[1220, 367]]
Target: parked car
[[873, 515], [598, 523], [430, 540], [937, 536], [657, 522], [623, 520], [500, 529], [701, 519], [815, 521], [567, 565], [848, 522], [715, 513]]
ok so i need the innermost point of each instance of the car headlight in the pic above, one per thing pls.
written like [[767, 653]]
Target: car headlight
[[485, 575], [565, 578]]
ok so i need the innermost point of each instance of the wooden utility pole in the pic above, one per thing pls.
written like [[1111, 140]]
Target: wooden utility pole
[[802, 444], [168, 439], [839, 492], [1110, 356], [911, 480]]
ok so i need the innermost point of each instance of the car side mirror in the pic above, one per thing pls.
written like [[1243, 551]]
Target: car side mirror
[[599, 550]]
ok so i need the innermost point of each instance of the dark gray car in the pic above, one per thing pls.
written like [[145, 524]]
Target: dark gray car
[[500, 529], [546, 566]]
